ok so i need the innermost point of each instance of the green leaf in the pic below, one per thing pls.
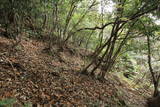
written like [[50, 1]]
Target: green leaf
[[7, 102]]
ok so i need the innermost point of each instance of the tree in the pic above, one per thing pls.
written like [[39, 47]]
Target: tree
[[124, 21], [155, 77]]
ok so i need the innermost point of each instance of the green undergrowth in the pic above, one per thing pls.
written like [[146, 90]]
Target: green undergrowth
[[12, 102]]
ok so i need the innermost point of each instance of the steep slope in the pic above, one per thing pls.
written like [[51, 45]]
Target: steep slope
[[30, 73]]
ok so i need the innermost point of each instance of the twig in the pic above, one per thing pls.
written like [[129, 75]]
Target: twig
[[8, 61]]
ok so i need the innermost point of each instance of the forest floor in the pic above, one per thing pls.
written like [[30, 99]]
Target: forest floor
[[29, 73]]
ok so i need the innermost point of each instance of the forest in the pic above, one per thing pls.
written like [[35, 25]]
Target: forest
[[79, 53]]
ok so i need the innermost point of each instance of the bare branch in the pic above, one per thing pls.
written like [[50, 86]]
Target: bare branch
[[97, 27]]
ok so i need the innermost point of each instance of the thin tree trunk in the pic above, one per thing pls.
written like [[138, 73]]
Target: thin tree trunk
[[68, 19], [155, 83]]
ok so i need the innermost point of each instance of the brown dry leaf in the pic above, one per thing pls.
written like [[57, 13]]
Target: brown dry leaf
[[56, 64], [8, 94], [45, 96]]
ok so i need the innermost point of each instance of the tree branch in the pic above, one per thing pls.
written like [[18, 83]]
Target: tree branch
[[97, 27]]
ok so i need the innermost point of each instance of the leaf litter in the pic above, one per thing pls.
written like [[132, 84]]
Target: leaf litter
[[31, 75]]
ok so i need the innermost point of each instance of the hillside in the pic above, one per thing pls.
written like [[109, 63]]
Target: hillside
[[31, 74], [82, 53]]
